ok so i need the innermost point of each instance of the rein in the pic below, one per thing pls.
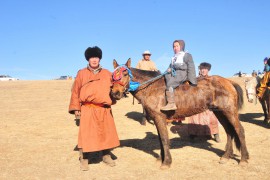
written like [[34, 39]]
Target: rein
[[153, 79], [133, 86]]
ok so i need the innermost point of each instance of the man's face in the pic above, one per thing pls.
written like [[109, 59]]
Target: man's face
[[146, 56], [94, 62], [204, 72]]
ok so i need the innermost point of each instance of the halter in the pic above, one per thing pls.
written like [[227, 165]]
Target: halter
[[118, 74]]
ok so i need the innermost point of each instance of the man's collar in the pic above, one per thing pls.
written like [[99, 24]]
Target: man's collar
[[95, 71]]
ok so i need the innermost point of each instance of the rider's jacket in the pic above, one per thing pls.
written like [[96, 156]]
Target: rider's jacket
[[264, 84]]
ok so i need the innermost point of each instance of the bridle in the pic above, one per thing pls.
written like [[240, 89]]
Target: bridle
[[117, 76]]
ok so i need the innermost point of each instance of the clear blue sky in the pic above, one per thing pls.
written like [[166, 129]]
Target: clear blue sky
[[44, 39]]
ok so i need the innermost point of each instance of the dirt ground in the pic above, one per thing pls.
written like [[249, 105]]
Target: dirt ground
[[38, 138]]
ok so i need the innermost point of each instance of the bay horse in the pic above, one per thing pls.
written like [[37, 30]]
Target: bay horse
[[218, 94], [251, 85]]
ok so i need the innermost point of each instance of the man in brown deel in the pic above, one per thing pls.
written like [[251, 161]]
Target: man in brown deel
[[90, 99]]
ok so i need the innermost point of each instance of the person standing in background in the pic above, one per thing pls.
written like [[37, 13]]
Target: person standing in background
[[205, 123], [146, 64]]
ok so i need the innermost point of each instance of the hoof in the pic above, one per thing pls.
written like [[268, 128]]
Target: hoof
[[223, 160], [159, 159], [217, 139], [243, 163], [143, 121], [266, 121], [164, 167]]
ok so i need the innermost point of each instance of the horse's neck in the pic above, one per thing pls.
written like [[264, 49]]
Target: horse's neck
[[150, 86], [146, 77]]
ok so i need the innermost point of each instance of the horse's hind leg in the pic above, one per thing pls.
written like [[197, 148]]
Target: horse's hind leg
[[164, 143], [227, 127], [238, 134], [244, 153]]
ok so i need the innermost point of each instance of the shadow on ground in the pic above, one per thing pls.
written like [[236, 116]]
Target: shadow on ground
[[252, 118]]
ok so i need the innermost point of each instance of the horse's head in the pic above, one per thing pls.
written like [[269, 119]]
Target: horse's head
[[250, 86], [121, 77]]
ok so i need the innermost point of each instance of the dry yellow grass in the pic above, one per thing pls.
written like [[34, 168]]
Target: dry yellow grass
[[38, 137]]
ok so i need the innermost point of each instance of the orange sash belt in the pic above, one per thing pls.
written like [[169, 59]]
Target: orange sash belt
[[95, 105]]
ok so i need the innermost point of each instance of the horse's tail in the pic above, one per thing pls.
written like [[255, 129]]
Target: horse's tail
[[240, 99]]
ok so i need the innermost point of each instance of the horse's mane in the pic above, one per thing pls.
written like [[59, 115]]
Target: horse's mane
[[150, 74]]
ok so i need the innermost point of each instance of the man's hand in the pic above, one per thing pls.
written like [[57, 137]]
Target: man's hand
[[77, 114]]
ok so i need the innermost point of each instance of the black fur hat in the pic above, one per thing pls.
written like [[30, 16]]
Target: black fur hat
[[93, 52], [205, 65]]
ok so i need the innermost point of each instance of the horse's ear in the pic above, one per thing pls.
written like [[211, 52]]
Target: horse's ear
[[115, 64], [128, 63]]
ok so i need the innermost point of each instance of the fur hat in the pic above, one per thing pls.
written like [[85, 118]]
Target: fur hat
[[93, 52], [205, 65]]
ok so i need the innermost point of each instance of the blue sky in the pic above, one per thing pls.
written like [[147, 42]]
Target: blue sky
[[42, 40]]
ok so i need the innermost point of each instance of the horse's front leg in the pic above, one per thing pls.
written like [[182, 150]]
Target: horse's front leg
[[164, 143]]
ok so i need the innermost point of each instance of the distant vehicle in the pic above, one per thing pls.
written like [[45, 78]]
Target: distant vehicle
[[65, 78], [7, 78]]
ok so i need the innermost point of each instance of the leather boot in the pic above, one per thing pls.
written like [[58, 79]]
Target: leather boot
[[106, 158], [83, 160], [171, 104]]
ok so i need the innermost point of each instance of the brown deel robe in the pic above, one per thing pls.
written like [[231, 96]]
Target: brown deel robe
[[97, 130]]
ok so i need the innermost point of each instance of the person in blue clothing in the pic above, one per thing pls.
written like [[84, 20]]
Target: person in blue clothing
[[266, 66]]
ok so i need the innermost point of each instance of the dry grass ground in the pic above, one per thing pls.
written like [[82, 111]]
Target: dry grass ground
[[38, 138]]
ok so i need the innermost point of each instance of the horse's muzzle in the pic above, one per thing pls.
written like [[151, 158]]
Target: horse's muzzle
[[117, 95]]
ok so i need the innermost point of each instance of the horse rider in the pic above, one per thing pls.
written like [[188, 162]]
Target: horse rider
[[146, 63], [264, 83], [181, 70]]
